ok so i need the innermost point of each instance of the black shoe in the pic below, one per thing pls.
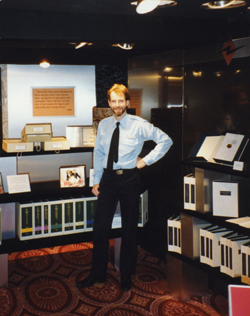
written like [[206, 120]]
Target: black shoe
[[88, 282], [126, 284]]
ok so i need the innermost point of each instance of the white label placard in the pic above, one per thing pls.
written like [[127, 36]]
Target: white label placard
[[18, 183], [238, 165]]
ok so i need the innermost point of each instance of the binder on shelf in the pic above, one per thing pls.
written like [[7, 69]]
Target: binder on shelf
[[46, 218], [79, 214], [231, 149], [190, 235], [56, 217], [230, 198], [24, 220], [245, 260], [37, 219], [206, 147], [174, 234], [189, 192], [203, 257], [68, 220], [231, 261], [89, 209], [211, 243], [143, 209]]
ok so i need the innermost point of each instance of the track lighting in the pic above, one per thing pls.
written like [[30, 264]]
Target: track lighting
[[229, 4], [81, 44], [125, 46]]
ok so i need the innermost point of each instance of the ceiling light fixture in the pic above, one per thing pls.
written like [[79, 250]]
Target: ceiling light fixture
[[125, 46], [224, 4], [166, 2], [146, 6], [168, 69], [44, 64], [81, 44]]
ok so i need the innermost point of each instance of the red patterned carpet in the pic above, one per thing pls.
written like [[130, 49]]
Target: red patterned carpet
[[43, 282]]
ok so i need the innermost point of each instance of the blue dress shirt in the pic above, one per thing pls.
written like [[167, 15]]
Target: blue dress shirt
[[134, 131]]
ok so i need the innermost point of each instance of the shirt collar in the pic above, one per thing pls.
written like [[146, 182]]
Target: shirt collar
[[123, 121]]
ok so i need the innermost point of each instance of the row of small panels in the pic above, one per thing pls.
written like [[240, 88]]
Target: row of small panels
[[65, 216], [214, 245]]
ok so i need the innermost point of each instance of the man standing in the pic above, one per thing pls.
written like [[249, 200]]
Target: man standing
[[119, 141]]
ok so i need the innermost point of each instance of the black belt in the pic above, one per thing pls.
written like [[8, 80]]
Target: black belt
[[120, 171]]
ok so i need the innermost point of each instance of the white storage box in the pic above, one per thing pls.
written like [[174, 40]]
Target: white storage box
[[37, 132], [56, 143], [17, 146], [230, 198]]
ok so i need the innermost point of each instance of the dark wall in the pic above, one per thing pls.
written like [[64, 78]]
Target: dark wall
[[206, 96], [106, 76]]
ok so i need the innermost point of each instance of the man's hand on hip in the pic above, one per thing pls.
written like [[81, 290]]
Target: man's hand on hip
[[140, 163], [95, 189]]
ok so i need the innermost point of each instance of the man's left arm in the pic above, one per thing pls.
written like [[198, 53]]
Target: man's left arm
[[162, 140]]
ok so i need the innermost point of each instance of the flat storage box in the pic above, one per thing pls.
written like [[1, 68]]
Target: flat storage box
[[37, 132], [230, 198], [17, 146], [203, 188], [56, 143]]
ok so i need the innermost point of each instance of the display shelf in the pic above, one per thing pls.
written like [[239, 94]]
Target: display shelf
[[42, 152], [218, 168], [214, 275], [46, 190], [209, 217], [206, 268]]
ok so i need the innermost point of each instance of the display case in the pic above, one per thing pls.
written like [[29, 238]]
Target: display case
[[215, 273]]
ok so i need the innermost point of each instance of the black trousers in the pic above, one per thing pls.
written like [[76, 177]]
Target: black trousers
[[126, 188]]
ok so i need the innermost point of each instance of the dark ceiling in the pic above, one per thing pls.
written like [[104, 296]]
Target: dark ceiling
[[31, 30]]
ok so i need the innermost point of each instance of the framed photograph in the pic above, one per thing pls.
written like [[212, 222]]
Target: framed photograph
[[72, 176], [1, 184]]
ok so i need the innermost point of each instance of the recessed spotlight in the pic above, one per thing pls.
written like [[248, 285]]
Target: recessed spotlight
[[44, 64], [168, 69]]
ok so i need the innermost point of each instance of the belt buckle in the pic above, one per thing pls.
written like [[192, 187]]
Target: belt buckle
[[119, 172]]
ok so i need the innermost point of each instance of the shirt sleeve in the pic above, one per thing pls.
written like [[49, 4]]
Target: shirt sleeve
[[162, 140], [98, 158]]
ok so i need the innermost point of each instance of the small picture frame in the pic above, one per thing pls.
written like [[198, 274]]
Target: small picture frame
[[72, 176], [1, 184]]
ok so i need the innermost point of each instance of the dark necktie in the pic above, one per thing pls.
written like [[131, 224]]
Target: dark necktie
[[113, 149]]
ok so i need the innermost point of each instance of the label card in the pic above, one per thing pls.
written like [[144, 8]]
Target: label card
[[18, 183]]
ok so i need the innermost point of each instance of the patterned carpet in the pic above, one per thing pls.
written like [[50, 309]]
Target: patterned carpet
[[43, 282]]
